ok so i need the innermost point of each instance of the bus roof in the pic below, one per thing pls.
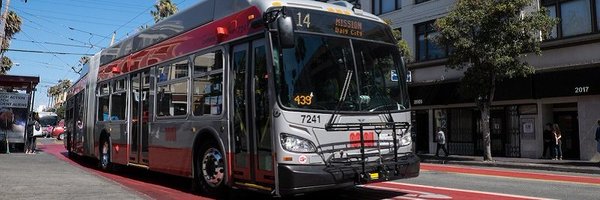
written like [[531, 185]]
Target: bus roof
[[207, 11]]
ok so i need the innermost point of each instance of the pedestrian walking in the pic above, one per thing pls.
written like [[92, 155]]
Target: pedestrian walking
[[548, 141], [32, 123], [557, 142], [441, 142]]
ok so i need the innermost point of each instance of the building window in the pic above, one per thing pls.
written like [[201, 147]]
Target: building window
[[427, 49], [575, 17], [208, 84], [420, 1], [385, 6]]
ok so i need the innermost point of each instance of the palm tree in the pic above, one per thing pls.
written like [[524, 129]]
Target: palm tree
[[12, 27], [55, 91], [164, 8], [51, 91], [5, 65]]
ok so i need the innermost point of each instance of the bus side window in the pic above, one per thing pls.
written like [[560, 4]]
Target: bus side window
[[172, 98], [103, 98], [208, 83]]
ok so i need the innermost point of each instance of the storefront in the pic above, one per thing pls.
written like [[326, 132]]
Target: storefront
[[521, 107]]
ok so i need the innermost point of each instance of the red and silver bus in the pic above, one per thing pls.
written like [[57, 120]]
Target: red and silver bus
[[280, 96]]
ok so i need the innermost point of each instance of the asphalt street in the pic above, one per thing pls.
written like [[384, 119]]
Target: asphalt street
[[51, 175]]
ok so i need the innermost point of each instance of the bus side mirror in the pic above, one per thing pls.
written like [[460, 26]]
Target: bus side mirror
[[286, 32]]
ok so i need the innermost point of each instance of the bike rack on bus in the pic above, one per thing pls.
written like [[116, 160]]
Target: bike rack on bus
[[348, 162]]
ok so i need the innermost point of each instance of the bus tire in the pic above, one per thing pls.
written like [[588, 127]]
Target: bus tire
[[210, 169], [104, 155]]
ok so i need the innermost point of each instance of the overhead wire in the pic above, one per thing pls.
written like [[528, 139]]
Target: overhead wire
[[47, 52], [45, 29], [54, 55], [52, 43], [148, 21]]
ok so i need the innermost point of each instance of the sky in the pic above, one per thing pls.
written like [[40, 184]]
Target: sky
[[75, 27]]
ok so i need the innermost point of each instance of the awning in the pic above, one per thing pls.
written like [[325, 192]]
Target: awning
[[26, 83]]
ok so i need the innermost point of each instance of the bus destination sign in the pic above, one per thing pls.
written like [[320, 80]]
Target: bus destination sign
[[348, 27], [315, 21]]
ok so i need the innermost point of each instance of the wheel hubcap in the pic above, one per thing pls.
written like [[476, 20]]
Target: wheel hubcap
[[213, 167]]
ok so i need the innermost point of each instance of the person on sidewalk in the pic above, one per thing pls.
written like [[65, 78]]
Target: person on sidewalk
[[32, 123], [441, 142], [557, 142], [548, 144]]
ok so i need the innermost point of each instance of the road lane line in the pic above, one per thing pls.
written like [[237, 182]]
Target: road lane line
[[513, 174], [410, 194], [452, 192]]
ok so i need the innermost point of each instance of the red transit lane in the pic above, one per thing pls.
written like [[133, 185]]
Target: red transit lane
[[511, 173], [160, 186], [149, 189]]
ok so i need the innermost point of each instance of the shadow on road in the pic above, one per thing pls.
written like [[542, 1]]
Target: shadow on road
[[184, 185]]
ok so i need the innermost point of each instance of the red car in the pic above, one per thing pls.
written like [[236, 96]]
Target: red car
[[59, 130]]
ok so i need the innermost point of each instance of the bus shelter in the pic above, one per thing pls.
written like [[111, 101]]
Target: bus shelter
[[17, 94]]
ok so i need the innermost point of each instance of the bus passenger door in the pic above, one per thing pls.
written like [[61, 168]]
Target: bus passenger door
[[253, 156], [138, 134]]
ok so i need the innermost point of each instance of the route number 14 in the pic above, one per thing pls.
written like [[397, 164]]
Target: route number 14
[[303, 21]]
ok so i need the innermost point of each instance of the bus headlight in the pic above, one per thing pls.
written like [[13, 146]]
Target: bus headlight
[[297, 144], [405, 140]]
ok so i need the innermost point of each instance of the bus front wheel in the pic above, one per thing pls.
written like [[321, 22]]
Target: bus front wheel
[[210, 168]]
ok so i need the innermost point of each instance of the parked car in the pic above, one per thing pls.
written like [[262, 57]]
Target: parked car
[[58, 131], [47, 121]]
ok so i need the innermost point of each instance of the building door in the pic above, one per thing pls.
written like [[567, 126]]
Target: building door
[[253, 156], [497, 132], [422, 139], [569, 126], [140, 106]]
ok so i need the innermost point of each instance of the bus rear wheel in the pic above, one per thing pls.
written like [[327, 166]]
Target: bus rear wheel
[[210, 169]]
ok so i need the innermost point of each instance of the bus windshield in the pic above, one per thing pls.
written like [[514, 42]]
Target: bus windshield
[[320, 69]]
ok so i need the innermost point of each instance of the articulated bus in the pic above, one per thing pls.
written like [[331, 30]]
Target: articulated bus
[[279, 96]]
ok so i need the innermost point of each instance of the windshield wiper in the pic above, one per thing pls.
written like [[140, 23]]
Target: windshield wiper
[[342, 98]]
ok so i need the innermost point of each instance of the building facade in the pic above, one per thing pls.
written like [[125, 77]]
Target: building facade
[[565, 88]]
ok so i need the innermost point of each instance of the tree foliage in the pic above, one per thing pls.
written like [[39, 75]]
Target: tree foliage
[[5, 65], [488, 38], [58, 89], [163, 9], [12, 27], [402, 44]]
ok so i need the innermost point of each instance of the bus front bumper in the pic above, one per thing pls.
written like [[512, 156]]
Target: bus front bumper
[[295, 179]]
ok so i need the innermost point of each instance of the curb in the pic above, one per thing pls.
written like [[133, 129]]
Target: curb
[[518, 166]]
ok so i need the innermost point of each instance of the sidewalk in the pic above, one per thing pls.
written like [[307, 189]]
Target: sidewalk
[[576, 166], [43, 176]]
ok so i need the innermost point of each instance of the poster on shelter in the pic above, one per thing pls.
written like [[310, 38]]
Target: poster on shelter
[[13, 116]]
